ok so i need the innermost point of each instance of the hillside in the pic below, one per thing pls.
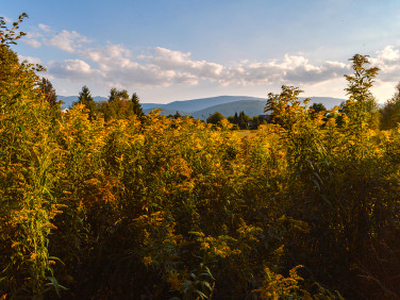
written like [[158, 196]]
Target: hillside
[[203, 103], [250, 108]]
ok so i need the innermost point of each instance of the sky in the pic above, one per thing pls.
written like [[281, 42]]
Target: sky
[[167, 50]]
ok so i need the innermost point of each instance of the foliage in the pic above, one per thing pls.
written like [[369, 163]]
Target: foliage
[[118, 95], [10, 36], [241, 120], [28, 171], [278, 287], [48, 91], [135, 106], [215, 118], [119, 106], [318, 107], [86, 99], [285, 108], [363, 108]]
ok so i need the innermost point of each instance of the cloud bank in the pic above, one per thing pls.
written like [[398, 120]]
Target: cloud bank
[[69, 41], [116, 65]]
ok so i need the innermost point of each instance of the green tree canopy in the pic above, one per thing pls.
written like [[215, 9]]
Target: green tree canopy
[[116, 95], [215, 118], [242, 120], [120, 106], [318, 107]]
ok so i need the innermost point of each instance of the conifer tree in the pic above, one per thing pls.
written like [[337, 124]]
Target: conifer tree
[[243, 120], [86, 98], [136, 108], [85, 95], [177, 115], [48, 91]]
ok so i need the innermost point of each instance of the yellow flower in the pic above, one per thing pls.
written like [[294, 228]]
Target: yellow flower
[[147, 261]]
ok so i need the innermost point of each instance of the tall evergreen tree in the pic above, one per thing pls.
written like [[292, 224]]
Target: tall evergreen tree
[[86, 98], [243, 120], [48, 91], [136, 108], [113, 95], [85, 95]]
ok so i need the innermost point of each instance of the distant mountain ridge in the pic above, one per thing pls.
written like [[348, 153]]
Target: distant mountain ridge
[[204, 107], [203, 103], [228, 105]]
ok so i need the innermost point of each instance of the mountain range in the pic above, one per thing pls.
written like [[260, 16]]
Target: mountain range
[[204, 107]]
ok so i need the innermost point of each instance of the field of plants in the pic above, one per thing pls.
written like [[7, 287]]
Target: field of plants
[[151, 207]]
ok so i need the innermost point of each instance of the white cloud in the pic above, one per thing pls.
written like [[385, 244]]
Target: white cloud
[[388, 61], [296, 69], [310, 74], [68, 41], [116, 65], [389, 54], [72, 69], [167, 59]]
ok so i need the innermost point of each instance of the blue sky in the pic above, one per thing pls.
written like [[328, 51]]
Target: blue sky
[[168, 50]]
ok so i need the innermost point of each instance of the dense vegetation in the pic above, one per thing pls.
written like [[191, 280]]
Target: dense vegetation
[[141, 207]]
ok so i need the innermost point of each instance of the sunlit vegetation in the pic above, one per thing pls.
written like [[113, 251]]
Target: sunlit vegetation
[[105, 203]]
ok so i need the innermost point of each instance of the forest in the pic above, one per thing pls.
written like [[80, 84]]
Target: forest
[[108, 203]]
